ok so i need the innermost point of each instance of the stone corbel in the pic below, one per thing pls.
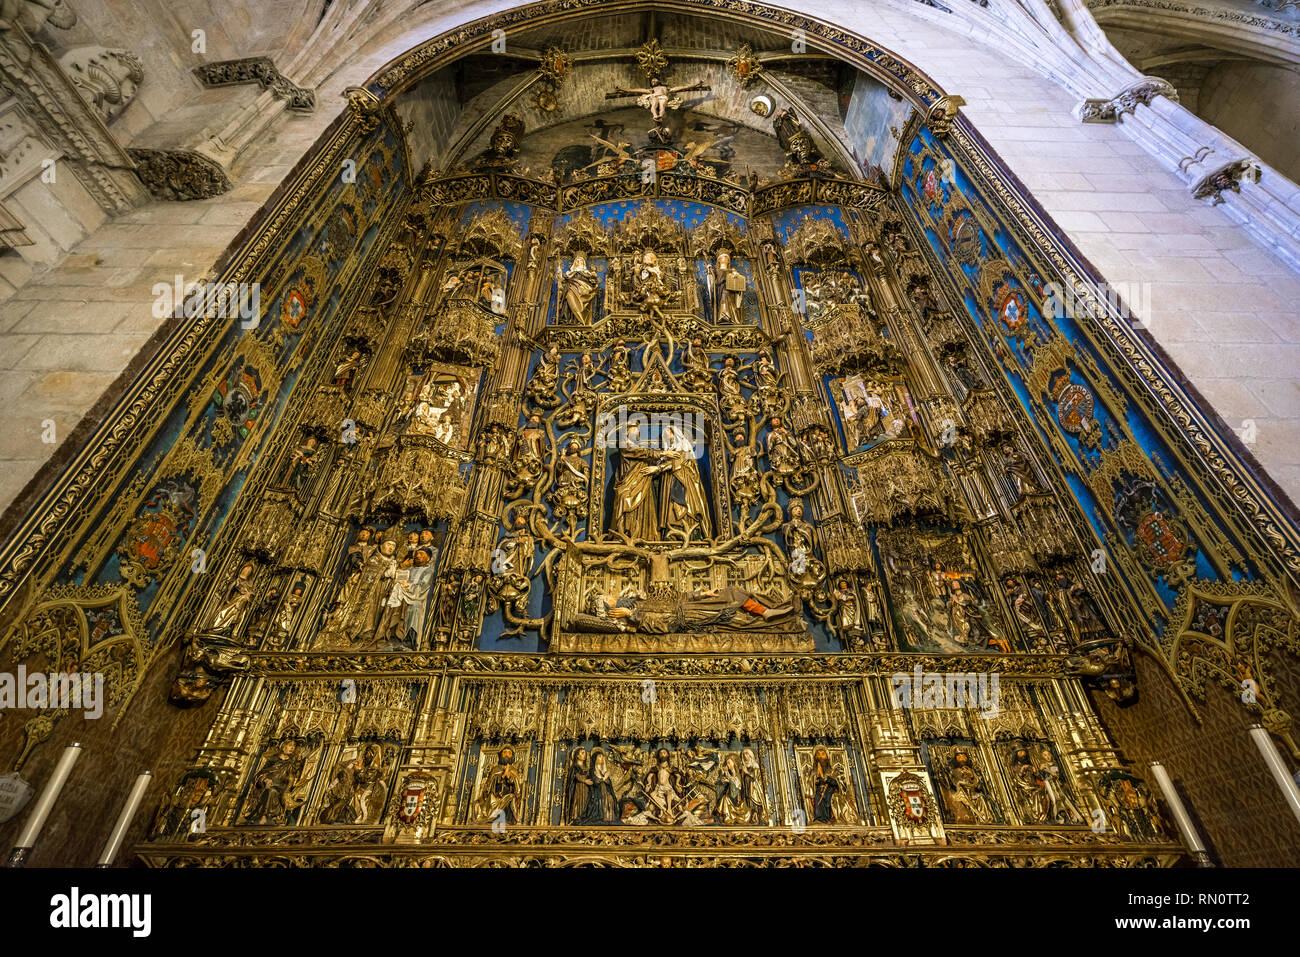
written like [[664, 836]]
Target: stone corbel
[[1226, 177], [179, 174], [1141, 92], [262, 71]]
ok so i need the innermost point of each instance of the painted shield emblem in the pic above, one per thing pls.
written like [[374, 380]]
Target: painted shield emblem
[[294, 309], [1162, 542], [931, 187], [965, 240], [1074, 408], [1011, 310], [412, 801], [914, 803], [153, 535]]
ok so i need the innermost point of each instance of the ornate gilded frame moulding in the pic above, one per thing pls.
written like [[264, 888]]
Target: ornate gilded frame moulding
[[483, 849], [176, 353], [304, 664], [1267, 511]]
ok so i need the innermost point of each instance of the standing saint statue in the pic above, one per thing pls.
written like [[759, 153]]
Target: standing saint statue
[[402, 621], [367, 595], [729, 285], [635, 516], [578, 289], [239, 598], [684, 510]]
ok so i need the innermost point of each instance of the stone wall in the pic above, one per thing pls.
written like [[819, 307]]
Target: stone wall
[[1259, 105], [1238, 807]]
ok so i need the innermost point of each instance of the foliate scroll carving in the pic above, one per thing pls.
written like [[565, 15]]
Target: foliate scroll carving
[[816, 242], [262, 71], [1227, 178], [1112, 109], [847, 338], [582, 234], [461, 331], [420, 475], [366, 108], [897, 479], [491, 233], [179, 174], [718, 232]]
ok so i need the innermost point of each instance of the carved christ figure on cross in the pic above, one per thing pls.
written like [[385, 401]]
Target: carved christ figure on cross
[[659, 98]]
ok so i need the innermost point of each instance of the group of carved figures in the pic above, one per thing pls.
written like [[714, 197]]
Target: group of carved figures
[[612, 784], [681, 510], [385, 593], [643, 283]]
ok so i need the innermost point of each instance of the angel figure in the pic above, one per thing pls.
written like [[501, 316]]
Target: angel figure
[[615, 153]]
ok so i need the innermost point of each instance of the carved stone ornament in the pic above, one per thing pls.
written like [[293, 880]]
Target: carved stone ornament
[[1226, 178], [262, 71], [942, 114], [108, 79], [1110, 110], [745, 66], [179, 174]]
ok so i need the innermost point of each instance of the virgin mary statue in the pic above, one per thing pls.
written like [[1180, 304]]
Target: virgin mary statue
[[684, 509]]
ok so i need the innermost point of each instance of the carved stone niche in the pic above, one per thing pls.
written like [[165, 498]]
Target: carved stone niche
[[896, 479]]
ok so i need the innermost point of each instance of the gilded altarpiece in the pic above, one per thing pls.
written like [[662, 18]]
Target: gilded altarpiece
[[639, 520], [653, 572]]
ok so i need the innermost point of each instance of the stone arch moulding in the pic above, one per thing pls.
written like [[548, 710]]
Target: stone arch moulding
[[30, 564]]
